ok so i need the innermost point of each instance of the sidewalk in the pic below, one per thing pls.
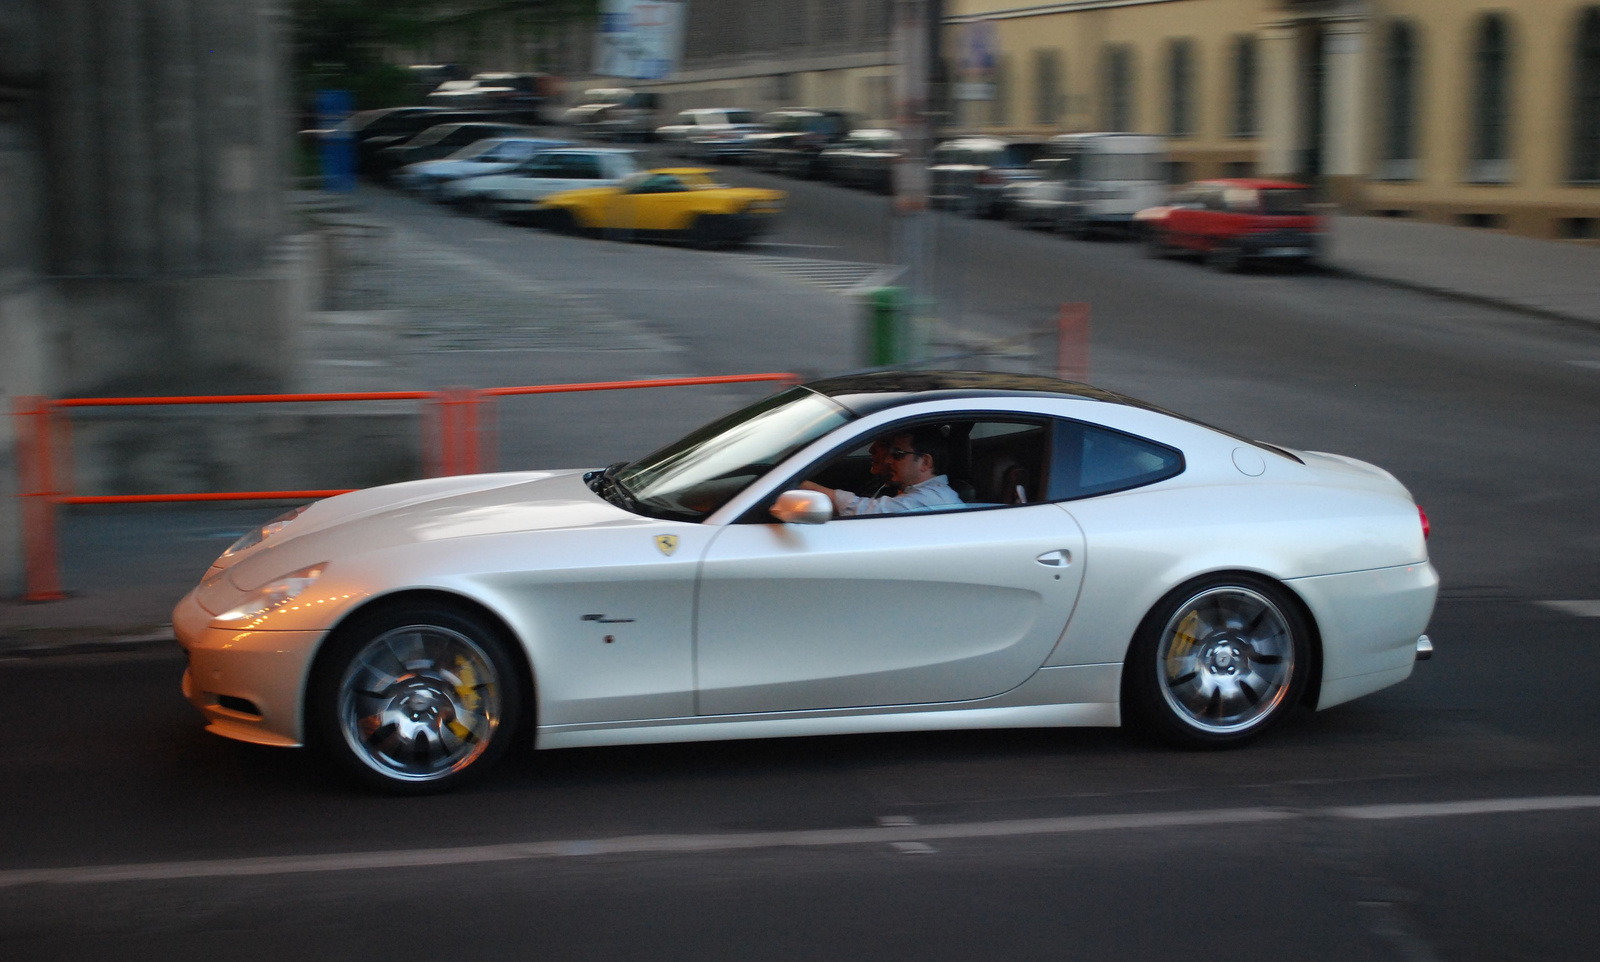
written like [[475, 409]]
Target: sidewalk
[[1550, 279], [1543, 278]]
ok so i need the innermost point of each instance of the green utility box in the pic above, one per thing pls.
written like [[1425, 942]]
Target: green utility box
[[885, 328]]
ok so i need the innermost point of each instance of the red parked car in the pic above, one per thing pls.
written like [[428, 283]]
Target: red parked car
[[1235, 222]]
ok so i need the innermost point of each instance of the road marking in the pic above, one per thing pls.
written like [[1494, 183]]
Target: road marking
[[1582, 609], [813, 838], [1593, 364], [840, 277], [1481, 806], [914, 848]]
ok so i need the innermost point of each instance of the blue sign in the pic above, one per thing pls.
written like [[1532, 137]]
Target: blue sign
[[337, 148]]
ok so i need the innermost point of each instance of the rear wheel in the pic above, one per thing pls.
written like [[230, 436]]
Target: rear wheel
[[1217, 662], [416, 698], [1226, 257]]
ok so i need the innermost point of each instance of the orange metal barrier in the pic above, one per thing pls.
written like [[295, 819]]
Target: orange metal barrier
[[45, 474]]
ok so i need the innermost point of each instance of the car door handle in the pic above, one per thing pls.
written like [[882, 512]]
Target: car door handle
[[1055, 559]]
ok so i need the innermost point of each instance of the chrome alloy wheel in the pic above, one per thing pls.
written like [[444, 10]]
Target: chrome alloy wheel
[[419, 703], [1226, 659]]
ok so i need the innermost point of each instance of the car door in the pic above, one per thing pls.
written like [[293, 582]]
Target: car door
[[918, 608]]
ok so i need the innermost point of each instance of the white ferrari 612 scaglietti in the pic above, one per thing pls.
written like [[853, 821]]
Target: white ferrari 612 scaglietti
[[883, 552]]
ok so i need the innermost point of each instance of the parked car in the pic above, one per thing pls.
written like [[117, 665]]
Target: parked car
[[796, 137], [514, 194], [1048, 198], [970, 174], [524, 93], [711, 133], [671, 203], [441, 141], [1109, 177], [615, 113], [1236, 222], [865, 158], [374, 130], [489, 156], [1115, 564]]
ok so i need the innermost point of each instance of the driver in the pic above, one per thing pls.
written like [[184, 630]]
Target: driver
[[916, 464]]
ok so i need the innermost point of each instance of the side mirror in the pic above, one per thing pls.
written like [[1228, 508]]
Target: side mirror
[[803, 507]]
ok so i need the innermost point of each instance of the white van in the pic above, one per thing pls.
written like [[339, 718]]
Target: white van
[[1106, 178]]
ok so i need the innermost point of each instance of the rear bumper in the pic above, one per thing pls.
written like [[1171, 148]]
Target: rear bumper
[[249, 685], [1369, 622]]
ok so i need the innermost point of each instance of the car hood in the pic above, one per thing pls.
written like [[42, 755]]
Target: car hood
[[433, 510]]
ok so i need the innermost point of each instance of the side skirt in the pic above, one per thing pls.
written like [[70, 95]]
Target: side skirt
[[1065, 697]]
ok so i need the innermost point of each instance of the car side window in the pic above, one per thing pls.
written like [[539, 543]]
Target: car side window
[[988, 462], [659, 184], [1087, 460], [586, 167]]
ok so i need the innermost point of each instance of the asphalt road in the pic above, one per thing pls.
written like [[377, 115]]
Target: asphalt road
[[1323, 841]]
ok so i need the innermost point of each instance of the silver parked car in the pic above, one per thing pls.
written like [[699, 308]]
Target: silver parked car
[[515, 193]]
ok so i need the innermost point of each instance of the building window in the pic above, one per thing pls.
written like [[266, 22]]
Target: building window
[[1491, 103], [1047, 87], [1000, 107], [1586, 101], [1400, 103], [1117, 89], [1180, 88], [1244, 86]]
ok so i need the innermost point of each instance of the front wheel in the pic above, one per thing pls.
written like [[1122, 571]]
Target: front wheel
[[1217, 662], [415, 699]]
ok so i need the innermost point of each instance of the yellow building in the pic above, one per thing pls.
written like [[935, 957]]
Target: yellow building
[[1484, 114]]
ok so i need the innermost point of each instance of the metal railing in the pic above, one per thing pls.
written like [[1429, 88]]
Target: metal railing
[[44, 445]]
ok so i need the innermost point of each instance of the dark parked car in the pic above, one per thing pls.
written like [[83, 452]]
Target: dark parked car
[[442, 141], [970, 174], [1235, 222], [865, 158], [797, 138]]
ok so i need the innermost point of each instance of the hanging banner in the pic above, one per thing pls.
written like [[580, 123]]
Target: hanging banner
[[639, 39]]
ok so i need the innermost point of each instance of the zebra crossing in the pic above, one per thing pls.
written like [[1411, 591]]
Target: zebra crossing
[[840, 277]]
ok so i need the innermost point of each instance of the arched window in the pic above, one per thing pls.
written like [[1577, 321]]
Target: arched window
[[1117, 89], [1180, 88], [1244, 86], [1586, 100], [1400, 102], [1491, 103]]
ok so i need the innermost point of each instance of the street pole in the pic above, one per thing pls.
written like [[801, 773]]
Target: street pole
[[911, 89]]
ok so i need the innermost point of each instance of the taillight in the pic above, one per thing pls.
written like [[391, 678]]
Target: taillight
[[1424, 516]]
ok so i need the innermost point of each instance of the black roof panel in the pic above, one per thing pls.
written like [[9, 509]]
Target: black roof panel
[[867, 393]]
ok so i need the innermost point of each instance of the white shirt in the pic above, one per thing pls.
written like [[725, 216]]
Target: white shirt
[[932, 493]]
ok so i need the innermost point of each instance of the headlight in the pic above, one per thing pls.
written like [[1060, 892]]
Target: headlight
[[274, 594], [255, 536]]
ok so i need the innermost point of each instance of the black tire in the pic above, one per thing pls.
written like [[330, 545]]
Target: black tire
[[1217, 662], [1226, 258], [556, 221], [708, 233], [415, 698], [1155, 244]]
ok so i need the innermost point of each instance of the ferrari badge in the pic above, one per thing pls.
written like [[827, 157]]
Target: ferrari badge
[[668, 543]]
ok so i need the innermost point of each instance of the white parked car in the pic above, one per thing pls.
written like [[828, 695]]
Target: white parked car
[[1107, 562], [709, 132], [515, 193], [1103, 179], [492, 156]]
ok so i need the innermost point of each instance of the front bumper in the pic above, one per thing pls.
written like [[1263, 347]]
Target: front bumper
[[1279, 245], [249, 685]]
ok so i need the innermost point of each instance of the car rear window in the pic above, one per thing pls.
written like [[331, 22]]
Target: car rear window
[[1285, 201], [1089, 460]]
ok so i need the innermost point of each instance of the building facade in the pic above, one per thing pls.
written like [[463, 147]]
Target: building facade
[[1455, 111]]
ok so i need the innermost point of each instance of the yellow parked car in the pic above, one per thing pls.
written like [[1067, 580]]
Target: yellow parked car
[[675, 203]]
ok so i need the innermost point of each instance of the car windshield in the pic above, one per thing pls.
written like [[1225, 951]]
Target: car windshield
[[690, 478]]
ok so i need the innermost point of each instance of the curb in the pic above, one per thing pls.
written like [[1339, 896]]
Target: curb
[[1480, 300], [32, 643]]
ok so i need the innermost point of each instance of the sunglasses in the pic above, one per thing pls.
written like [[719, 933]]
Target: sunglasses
[[896, 454]]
